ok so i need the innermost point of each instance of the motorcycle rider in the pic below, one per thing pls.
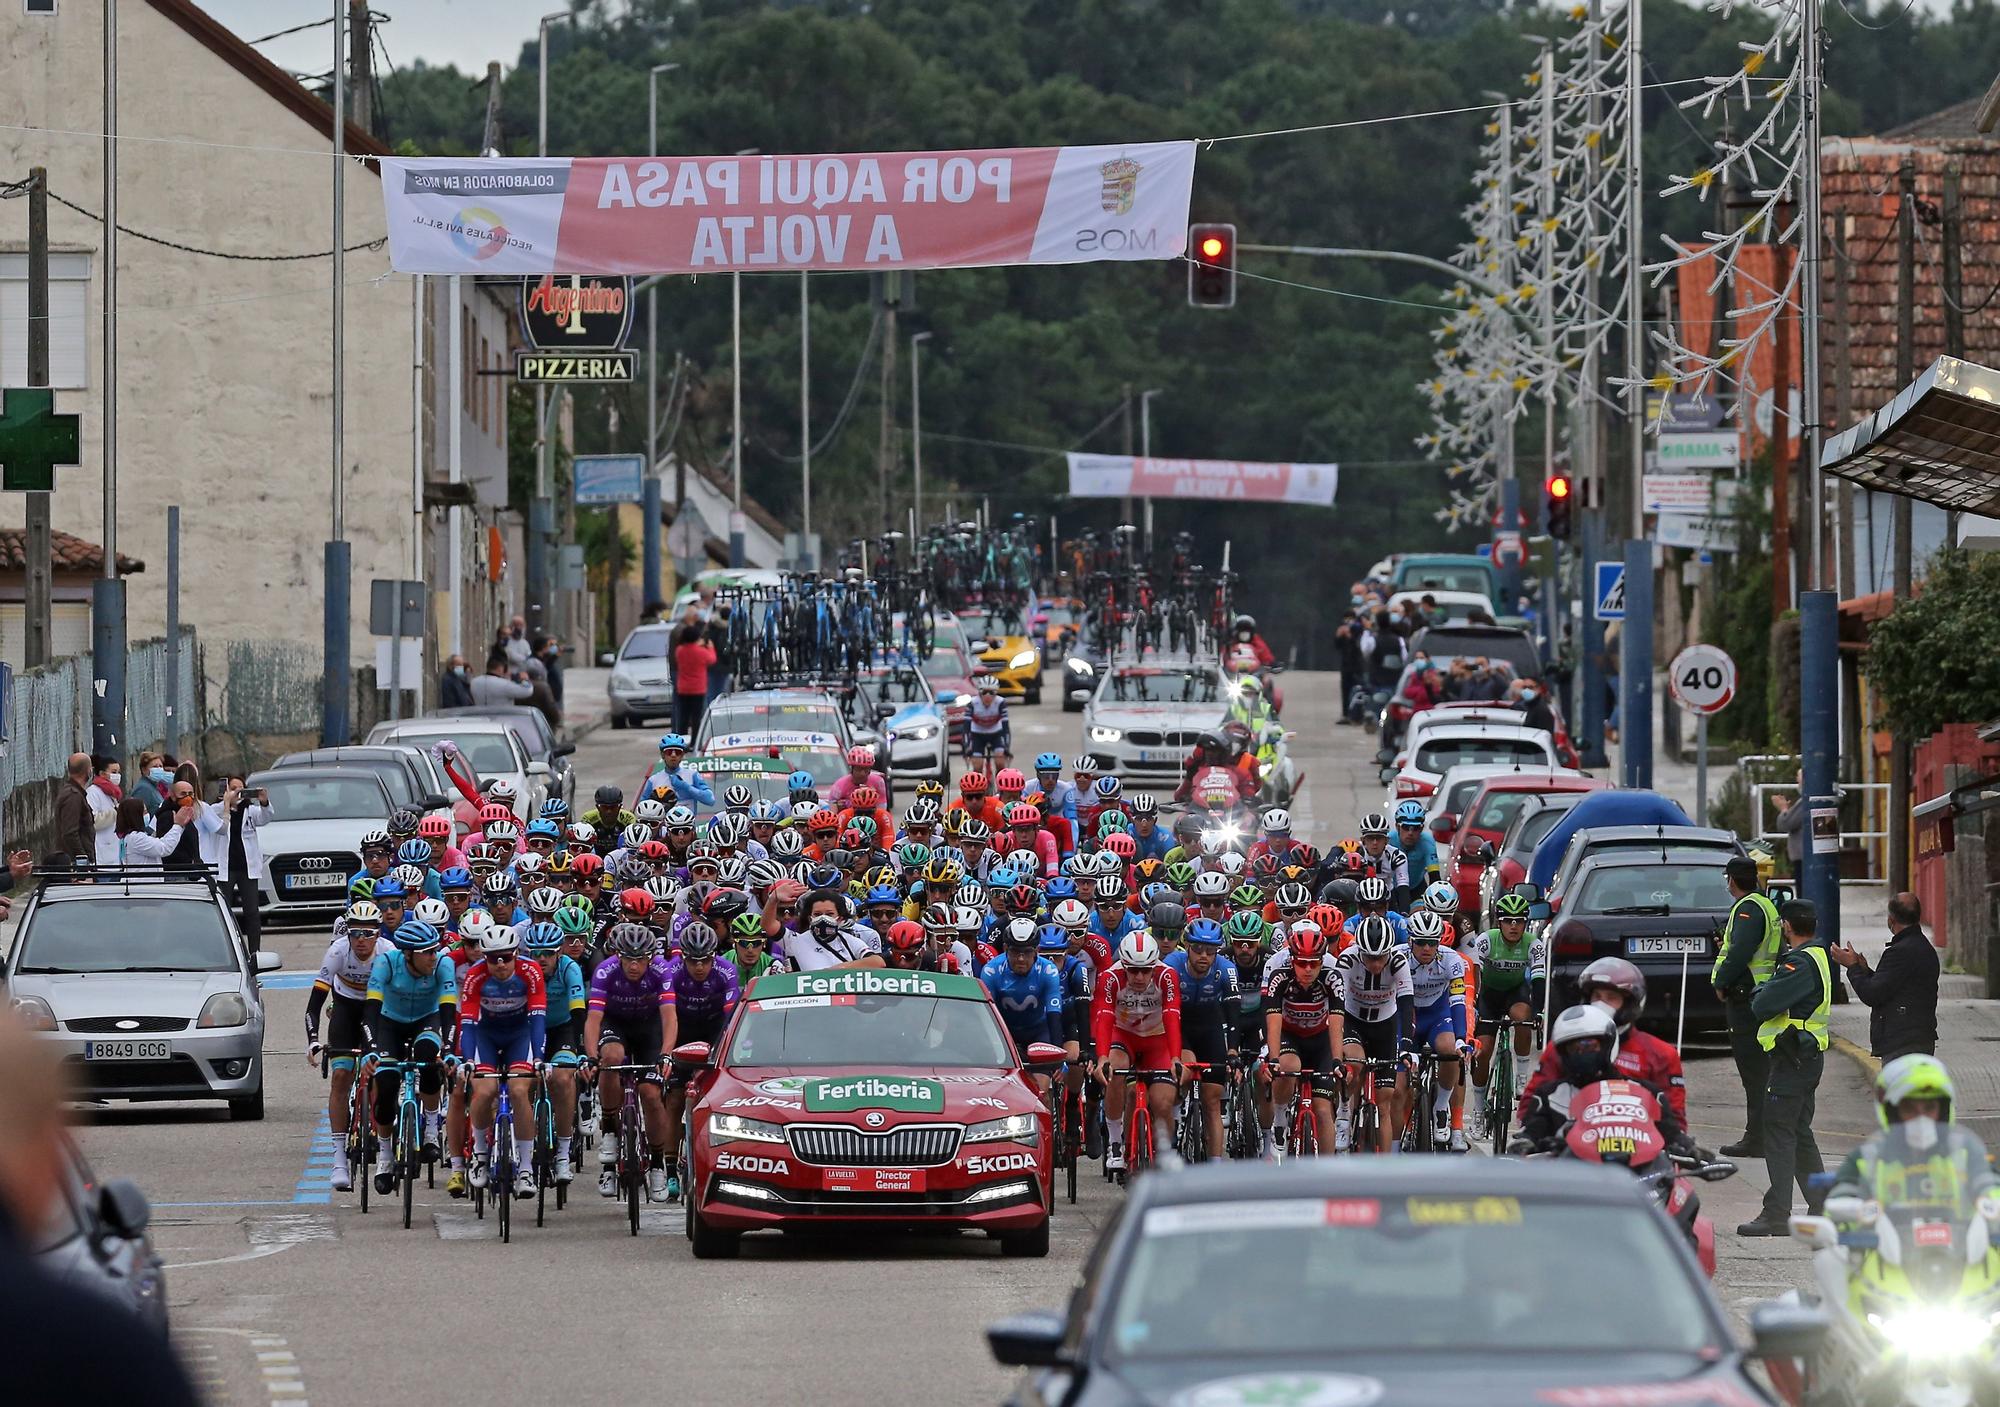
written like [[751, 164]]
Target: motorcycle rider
[[1212, 749], [1922, 1157], [1584, 1041], [1620, 988]]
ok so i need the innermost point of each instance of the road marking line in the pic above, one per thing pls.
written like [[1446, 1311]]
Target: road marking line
[[279, 1357], [254, 1253]]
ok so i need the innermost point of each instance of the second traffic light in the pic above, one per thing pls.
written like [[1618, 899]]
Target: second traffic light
[[1212, 266], [1558, 495]]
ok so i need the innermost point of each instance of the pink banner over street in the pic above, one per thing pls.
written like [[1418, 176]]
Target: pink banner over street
[[1240, 480], [763, 214]]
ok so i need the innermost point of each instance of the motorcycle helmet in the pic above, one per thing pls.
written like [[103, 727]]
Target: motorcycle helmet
[[1619, 974], [1585, 1039], [1912, 1077]]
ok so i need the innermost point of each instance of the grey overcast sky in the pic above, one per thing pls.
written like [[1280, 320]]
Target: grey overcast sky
[[467, 33]]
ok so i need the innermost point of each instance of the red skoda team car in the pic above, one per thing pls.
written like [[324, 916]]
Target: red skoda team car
[[867, 1097]]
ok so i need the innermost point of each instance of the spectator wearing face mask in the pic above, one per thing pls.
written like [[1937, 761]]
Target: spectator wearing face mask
[[1534, 706], [455, 687], [150, 781], [104, 794]]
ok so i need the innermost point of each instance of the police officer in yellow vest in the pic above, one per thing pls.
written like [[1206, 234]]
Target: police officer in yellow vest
[[1749, 955], [1791, 1011]]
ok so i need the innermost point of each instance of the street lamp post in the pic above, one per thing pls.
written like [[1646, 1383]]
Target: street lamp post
[[541, 513], [917, 341], [1145, 453], [649, 502]]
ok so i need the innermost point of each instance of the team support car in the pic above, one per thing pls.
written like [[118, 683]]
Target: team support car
[[750, 717], [767, 764], [868, 1098], [1144, 718], [1007, 648], [1316, 1284], [896, 701]]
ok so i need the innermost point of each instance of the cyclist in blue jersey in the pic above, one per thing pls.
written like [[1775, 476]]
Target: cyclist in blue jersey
[[1151, 842], [568, 992], [502, 1027], [416, 854], [410, 1007], [1420, 852], [673, 778], [1437, 980], [1372, 901], [1059, 797], [1111, 919], [1026, 990], [1211, 1007]]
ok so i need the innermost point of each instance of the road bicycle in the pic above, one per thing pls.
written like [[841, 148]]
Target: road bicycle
[[1500, 1091], [1241, 1137], [407, 1139], [1067, 1116], [502, 1171], [1419, 1128], [1190, 1119], [632, 1152], [1141, 1149], [359, 1145], [545, 1149], [1300, 1116], [1375, 1076]]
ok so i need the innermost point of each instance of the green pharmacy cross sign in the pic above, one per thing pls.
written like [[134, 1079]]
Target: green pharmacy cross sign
[[34, 440]]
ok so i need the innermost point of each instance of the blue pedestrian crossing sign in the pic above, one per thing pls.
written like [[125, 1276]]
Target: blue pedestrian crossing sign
[[1610, 592]]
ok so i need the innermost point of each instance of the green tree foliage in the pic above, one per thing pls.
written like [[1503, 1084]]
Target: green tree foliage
[[1935, 659], [1317, 361]]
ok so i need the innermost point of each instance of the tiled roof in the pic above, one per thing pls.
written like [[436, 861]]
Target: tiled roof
[[1959, 121], [69, 552]]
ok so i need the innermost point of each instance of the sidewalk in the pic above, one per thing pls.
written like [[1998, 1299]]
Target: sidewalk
[[586, 705]]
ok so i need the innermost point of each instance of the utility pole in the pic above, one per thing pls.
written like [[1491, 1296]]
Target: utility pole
[[107, 593], [1125, 399], [805, 420], [335, 689], [1843, 412], [1906, 370], [40, 564], [1590, 471], [1146, 453], [360, 68], [1509, 486], [1635, 682], [1954, 307], [917, 341], [541, 512], [651, 588], [885, 464]]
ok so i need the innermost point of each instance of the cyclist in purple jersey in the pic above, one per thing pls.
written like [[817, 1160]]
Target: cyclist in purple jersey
[[702, 989], [625, 1023]]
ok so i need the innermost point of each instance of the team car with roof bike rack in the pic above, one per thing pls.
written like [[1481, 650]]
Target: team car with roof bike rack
[[869, 1098]]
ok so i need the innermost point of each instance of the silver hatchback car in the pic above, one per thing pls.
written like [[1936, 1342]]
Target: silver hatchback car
[[142, 980]]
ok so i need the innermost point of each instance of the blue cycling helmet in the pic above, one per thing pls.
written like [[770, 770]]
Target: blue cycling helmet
[[674, 740], [458, 877], [1156, 892], [389, 888], [1203, 930], [883, 894], [545, 829], [1048, 762], [555, 809], [1060, 888], [1409, 813], [800, 781], [767, 810], [544, 937], [414, 851], [1109, 788], [413, 935], [1003, 877], [1054, 939], [827, 877]]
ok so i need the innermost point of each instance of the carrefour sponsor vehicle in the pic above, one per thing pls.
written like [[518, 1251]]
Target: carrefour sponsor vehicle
[[765, 763], [867, 1097]]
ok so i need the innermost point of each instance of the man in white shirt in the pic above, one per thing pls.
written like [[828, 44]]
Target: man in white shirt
[[831, 939], [102, 795], [238, 864]]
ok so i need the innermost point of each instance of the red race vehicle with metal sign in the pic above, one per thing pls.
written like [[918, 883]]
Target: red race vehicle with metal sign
[[868, 1097]]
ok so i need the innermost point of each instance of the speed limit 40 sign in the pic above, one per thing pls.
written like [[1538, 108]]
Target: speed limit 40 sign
[[1703, 679]]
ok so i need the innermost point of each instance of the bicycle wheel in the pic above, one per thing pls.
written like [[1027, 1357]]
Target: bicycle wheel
[[359, 1152], [631, 1169], [1139, 1136], [1417, 1124], [1072, 1137], [1191, 1126], [545, 1157], [406, 1158], [1500, 1100], [1246, 1136], [1305, 1130], [503, 1183]]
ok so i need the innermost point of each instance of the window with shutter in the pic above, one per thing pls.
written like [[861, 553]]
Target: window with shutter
[[69, 320]]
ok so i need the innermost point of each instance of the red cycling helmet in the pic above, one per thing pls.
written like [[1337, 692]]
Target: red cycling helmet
[[1265, 866], [587, 864], [866, 798], [436, 827], [493, 811], [1023, 898], [906, 935], [1122, 844], [654, 851], [1010, 780], [636, 902], [1306, 942], [1327, 916], [861, 757], [853, 838], [973, 784], [823, 821]]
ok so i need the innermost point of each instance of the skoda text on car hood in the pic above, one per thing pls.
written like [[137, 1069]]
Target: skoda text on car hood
[[899, 1142]]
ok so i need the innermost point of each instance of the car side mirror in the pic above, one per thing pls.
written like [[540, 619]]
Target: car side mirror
[[1444, 825], [431, 801], [1042, 1055], [1787, 1330], [124, 1209], [538, 769], [563, 749], [693, 1054], [1031, 1340], [1480, 852], [1386, 775], [264, 960], [606, 660], [1531, 892]]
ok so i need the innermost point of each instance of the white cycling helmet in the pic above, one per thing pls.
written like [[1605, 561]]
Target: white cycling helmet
[[496, 940], [432, 911], [1374, 938], [652, 811], [1441, 898], [1211, 884], [1139, 949], [474, 927], [1071, 913], [1277, 821], [500, 790], [1229, 863], [1426, 926]]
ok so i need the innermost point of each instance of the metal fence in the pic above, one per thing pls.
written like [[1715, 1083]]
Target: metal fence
[[49, 709], [273, 686], [1864, 810]]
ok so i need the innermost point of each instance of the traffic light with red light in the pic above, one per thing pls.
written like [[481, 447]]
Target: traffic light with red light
[[1212, 266], [1558, 497]]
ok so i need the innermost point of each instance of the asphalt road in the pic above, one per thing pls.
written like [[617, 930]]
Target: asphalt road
[[283, 1292]]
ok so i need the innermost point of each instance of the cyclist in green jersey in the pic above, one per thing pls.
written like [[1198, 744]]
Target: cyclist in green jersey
[[1513, 972]]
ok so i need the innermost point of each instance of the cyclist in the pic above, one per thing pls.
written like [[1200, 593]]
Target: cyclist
[[1620, 988], [1386, 860], [1304, 1017], [1136, 1024], [1244, 934], [343, 976], [674, 779], [502, 1030], [907, 947], [1274, 836], [1380, 1006], [702, 991], [1211, 1009], [568, 999], [1114, 918], [378, 856], [1026, 990], [1167, 921], [976, 805], [410, 1007], [608, 815], [625, 1024], [750, 949], [1437, 979], [860, 773], [1371, 900], [1513, 973], [1420, 852], [1025, 832], [1061, 796], [1149, 840], [987, 733]]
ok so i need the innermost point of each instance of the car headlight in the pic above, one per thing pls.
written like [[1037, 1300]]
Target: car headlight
[[731, 1128], [224, 1009], [1100, 734], [1077, 666], [35, 1014], [1022, 660], [622, 681], [1936, 1331], [1015, 1128], [917, 734]]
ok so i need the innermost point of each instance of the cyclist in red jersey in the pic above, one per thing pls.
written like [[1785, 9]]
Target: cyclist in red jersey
[[1135, 1021]]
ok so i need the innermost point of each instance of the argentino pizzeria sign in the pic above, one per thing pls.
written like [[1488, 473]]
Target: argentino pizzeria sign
[[576, 326]]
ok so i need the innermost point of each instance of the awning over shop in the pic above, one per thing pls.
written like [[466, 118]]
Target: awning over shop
[[1938, 441]]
